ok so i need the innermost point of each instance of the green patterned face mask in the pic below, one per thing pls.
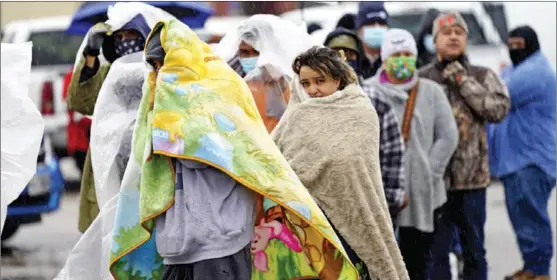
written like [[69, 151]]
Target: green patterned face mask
[[402, 67]]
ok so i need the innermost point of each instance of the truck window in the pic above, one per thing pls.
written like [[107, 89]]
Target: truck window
[[498, 15], [410, 22], [54, 48]]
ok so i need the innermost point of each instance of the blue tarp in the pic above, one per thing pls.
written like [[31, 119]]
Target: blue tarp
[[194, 14]]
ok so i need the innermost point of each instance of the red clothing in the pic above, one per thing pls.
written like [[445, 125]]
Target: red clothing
[[78, 130]]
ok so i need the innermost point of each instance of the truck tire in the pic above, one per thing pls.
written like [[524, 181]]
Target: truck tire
[[10, 228]]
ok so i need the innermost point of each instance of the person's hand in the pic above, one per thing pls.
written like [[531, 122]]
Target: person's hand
[[454, 72], [405, 201], [96, 39]]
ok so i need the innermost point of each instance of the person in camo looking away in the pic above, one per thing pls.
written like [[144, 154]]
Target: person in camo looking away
[[477, 96]]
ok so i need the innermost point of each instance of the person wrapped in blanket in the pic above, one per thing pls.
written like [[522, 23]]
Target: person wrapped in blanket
[[329, 134], [89, 76], [391, 145], [207, 202], [257, 51]]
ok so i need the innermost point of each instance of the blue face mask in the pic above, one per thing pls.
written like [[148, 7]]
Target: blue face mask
[[373, 36], [248, 63], [429, 44]]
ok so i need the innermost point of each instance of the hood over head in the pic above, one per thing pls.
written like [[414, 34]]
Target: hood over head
[[137, 23], [531, 43], [363, 62], [125, 15], [277, 40], [154, 49]]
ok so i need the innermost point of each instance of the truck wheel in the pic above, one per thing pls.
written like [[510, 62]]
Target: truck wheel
[[10, 228]]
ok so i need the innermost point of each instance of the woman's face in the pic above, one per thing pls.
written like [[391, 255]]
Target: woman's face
[[316, 84]]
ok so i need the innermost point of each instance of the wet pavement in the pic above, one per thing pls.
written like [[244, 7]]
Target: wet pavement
[[37, 252]]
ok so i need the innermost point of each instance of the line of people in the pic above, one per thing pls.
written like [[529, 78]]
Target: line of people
[[487, 111], [368, 146]]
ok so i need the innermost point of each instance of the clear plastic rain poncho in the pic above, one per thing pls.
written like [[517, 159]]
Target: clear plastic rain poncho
[[111, 134], [278, 42], [22, 124]]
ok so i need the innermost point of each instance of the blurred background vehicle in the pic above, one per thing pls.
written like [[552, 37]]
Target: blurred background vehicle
[[56, 41], [485, 42], [53, 56], [42, 195], [54, 49], [46, 245]]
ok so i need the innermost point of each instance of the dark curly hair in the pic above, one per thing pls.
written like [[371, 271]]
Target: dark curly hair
[[327, 62]]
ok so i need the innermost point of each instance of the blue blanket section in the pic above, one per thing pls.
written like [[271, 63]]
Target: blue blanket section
[[527, 135]]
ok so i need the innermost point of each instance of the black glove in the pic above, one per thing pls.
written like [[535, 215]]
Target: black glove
[[95, 40]]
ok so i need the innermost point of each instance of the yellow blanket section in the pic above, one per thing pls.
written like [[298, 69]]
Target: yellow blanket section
[[198, 108], [209, 115]]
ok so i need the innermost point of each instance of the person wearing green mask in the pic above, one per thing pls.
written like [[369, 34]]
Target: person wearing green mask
[[430, 135]]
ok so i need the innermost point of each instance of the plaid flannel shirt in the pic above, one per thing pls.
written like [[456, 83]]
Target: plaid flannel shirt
[[391, 150]]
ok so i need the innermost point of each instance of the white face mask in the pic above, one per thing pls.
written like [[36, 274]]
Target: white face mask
[[429, 44], [373, 36]]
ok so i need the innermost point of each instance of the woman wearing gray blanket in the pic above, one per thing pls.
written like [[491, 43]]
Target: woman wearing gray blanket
[[329, 134], [431, 136]]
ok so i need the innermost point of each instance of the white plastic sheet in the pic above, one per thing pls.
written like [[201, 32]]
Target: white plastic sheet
[[113, 123], [121, 13], [22, 125], [111, 136], [278, 41]]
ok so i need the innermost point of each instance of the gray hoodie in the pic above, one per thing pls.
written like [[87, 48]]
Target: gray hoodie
[[433, 140], [212, 217]]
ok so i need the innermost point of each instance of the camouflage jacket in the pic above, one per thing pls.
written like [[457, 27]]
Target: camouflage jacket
[[82, 97], [478, 97]]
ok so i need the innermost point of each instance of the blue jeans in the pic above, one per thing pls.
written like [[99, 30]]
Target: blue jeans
[[467, 211], [456, 247], [527, 192]]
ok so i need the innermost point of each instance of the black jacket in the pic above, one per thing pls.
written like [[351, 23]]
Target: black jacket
[[426, 26]]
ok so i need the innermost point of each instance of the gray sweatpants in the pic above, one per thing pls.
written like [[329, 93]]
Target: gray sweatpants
[[234, 267]]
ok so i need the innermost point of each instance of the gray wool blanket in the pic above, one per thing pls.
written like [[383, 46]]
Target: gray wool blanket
[[332, 143]]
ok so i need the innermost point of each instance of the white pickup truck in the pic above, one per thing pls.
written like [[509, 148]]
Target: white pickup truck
[[53, 56], [485, 45]]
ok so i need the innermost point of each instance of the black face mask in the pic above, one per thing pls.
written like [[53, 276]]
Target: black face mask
[[531, 44], [519, 55]]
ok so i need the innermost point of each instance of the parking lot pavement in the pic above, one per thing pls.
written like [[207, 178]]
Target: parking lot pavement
[[39, 251]]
